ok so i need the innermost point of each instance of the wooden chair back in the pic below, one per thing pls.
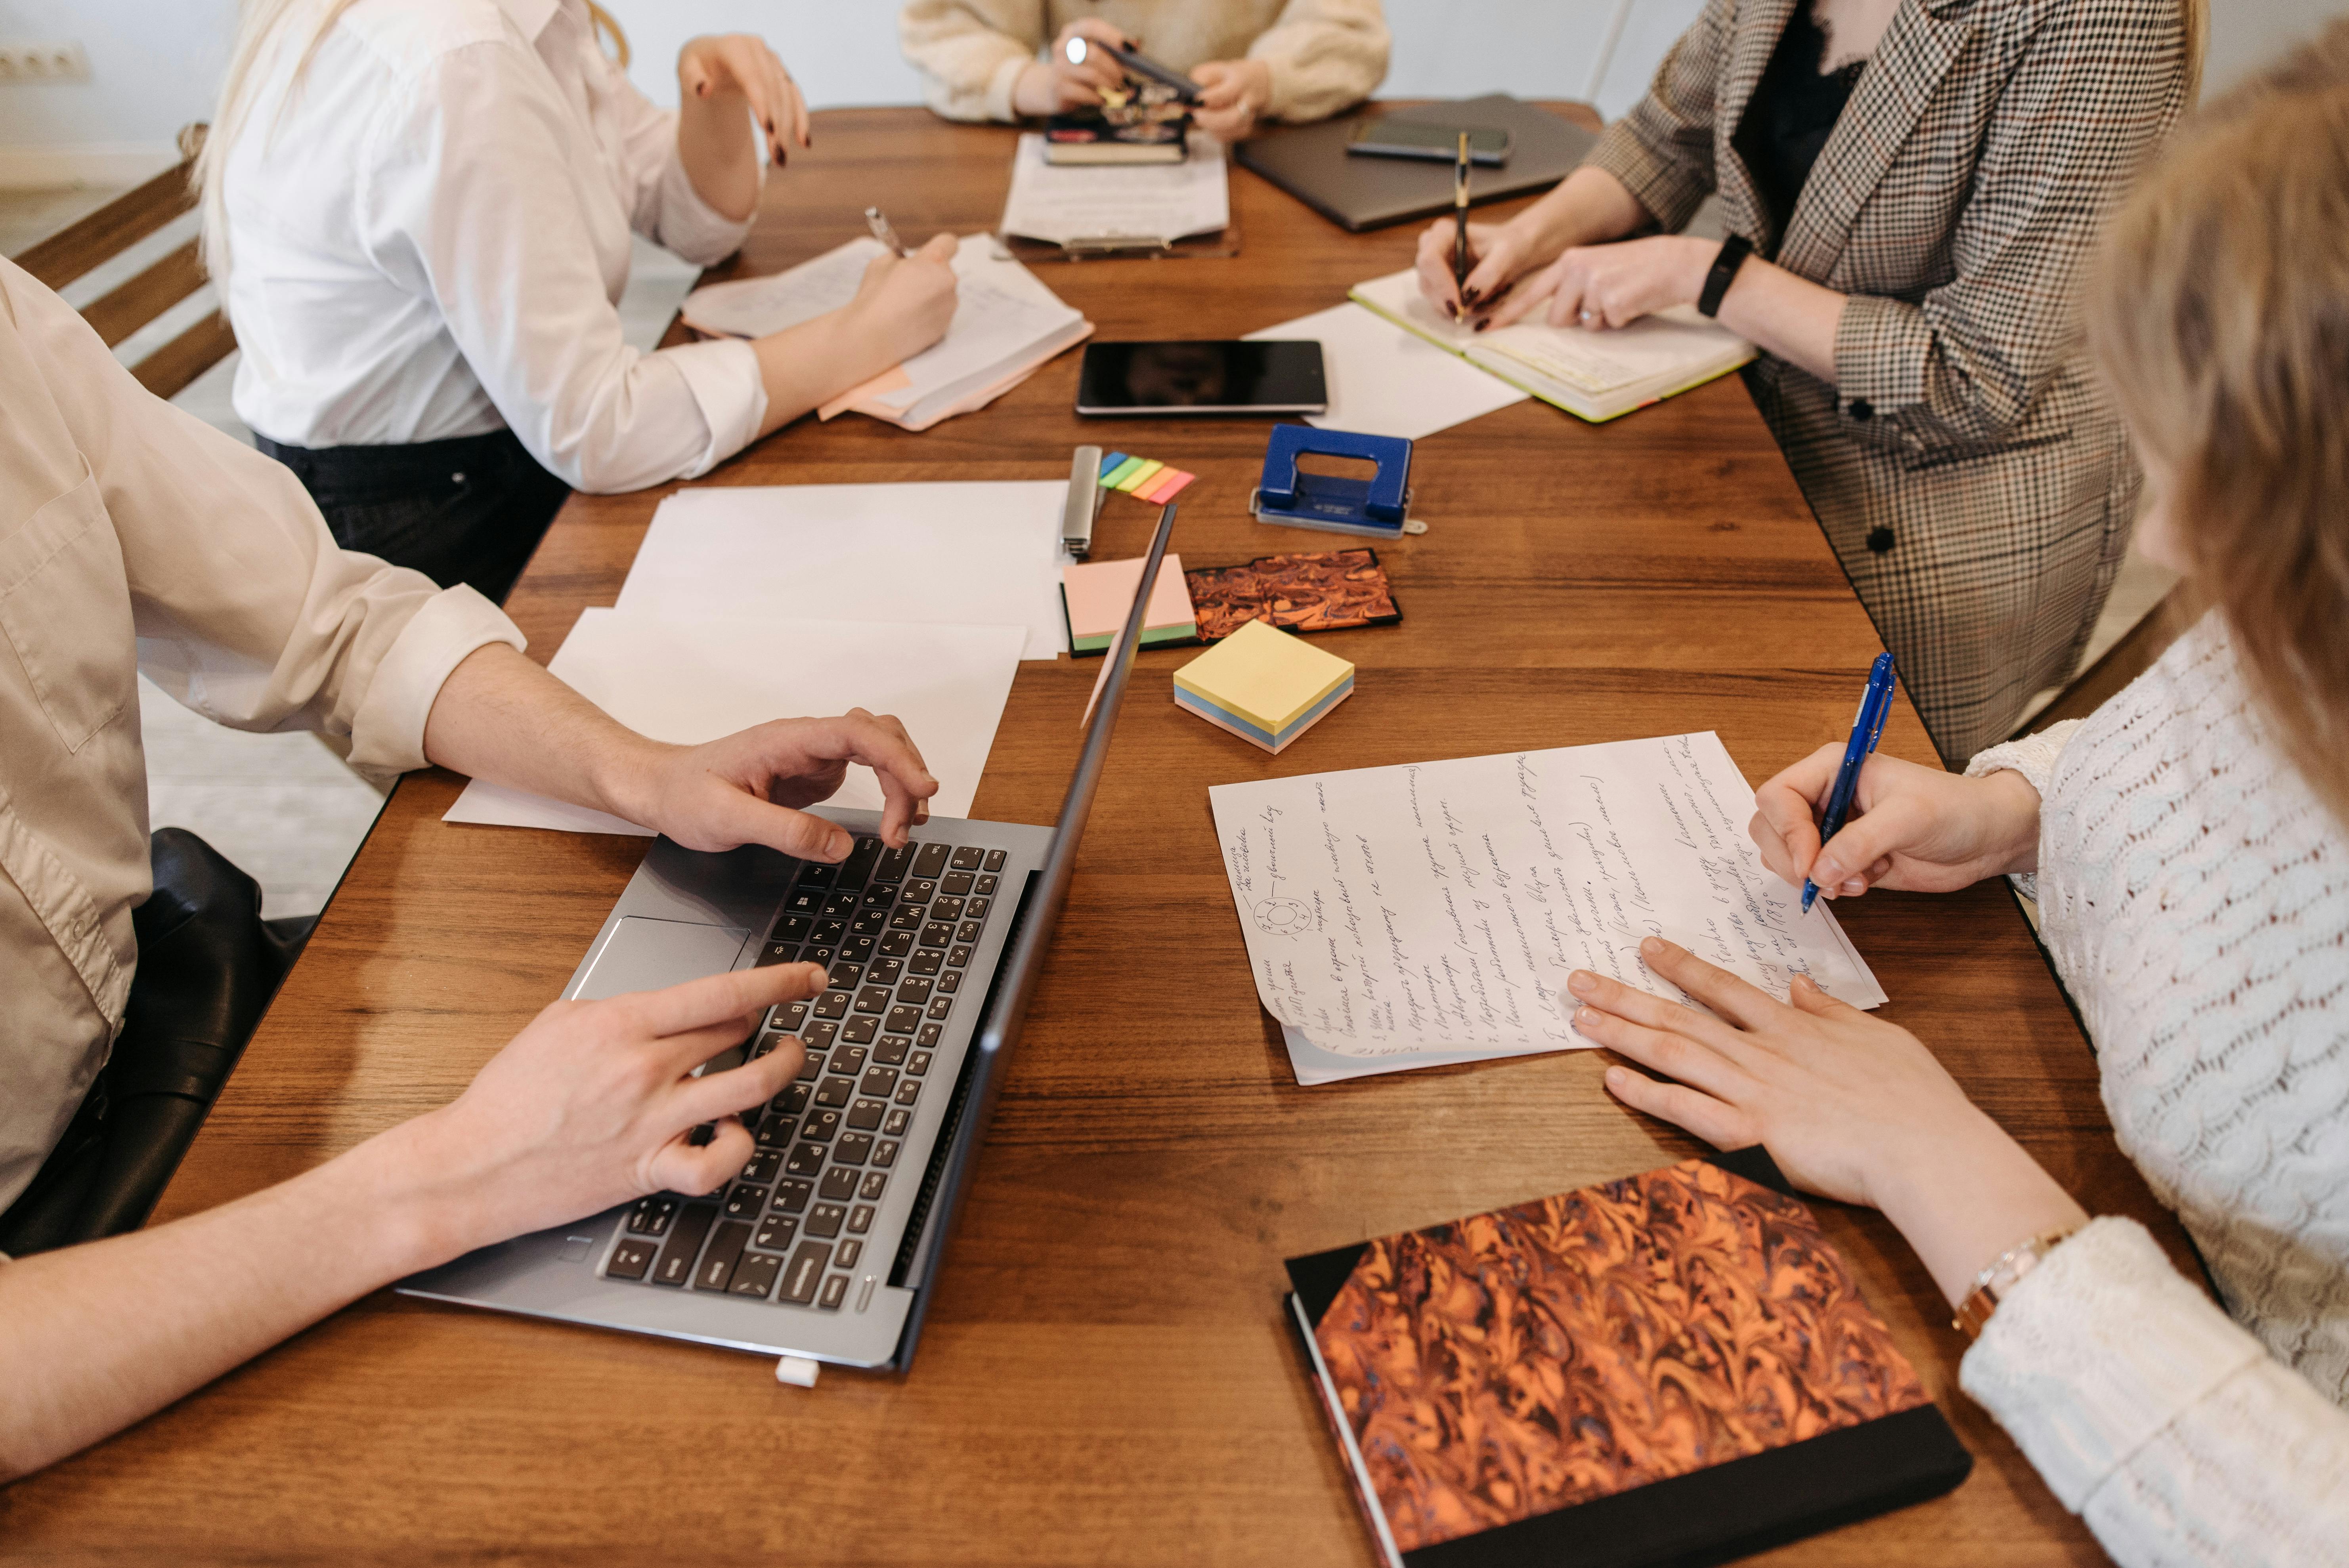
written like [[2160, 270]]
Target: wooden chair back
[[106, 233]]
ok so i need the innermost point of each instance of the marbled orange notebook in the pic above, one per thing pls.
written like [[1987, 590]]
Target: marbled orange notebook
[[1674, 1367]]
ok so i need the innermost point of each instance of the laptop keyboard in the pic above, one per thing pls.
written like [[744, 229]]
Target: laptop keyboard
[[896, 929]]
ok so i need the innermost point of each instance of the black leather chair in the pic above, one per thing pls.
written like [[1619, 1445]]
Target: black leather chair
[[207, 965]]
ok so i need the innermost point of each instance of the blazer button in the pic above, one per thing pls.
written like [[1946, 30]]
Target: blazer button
[[1861, 408], [1879, 540]]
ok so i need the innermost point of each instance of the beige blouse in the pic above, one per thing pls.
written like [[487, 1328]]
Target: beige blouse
[[1325, 54], [133, 536]]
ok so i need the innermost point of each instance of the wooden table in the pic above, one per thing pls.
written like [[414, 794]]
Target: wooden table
[[1105, 1376]]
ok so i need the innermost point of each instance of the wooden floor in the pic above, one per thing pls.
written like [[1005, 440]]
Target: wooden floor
[[1105, 1377]]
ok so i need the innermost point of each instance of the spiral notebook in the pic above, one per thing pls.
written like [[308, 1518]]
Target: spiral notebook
[[1676, 1367]]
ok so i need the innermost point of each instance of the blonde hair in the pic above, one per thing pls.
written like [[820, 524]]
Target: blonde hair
[[2219, 310], [262, 27]]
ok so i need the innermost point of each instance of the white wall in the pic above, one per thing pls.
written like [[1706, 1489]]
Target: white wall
[[155, 64]]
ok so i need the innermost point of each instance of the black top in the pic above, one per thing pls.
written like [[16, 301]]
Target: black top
[[1793, 112]]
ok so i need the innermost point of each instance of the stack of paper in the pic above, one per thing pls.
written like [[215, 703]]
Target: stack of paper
[[1070, 205], [1595, 375], [1263, 685], [1006, 326], [1099, 595], [689, 679], [1406, 917]]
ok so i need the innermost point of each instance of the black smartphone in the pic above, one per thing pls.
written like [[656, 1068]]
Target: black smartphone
[[1387, 138], [1277, 376]]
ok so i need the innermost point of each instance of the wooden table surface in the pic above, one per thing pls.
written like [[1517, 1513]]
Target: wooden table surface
[[1105, 1376]]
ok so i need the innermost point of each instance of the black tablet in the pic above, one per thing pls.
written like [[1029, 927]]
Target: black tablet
[[1277, 376]]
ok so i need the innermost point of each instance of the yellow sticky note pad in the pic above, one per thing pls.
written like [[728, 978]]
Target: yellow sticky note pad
[[1262, 685]]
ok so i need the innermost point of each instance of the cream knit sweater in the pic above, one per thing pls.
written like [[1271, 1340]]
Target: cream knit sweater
[[1325, 54], [2195, 897]]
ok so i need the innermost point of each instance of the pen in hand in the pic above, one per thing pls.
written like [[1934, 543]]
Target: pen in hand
[[1867, 729], [878, 221], [1460, 221]]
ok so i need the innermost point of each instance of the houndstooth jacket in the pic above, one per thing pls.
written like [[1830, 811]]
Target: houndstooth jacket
[[1973, 480]]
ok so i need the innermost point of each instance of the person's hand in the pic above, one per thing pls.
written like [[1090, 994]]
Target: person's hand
[[747, 787], [906, 303], [1501, 253], [592, 1105], [1612, 284], [1849, 1106], [1234, 95], [1053, 86], [1910, 827], [734, 71]]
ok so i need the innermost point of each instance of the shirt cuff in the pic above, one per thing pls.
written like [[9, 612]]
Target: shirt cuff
[[997, 95], [1881, 347], [729, 389], [2096, 1351], [387, 730], [1668, 190], [691, 226], [2033, 756]]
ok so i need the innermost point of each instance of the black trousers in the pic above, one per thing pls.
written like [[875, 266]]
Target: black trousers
[[467, 510], [207, 965]]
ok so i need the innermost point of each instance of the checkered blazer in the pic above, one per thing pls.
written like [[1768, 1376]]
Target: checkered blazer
[[1975, 483]]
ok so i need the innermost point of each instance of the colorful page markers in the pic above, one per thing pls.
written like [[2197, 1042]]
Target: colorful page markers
[[1263, 685], [1144, 478], [1098, 593]]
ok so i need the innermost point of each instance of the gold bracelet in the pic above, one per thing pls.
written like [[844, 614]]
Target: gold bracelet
[[1997, 1281]]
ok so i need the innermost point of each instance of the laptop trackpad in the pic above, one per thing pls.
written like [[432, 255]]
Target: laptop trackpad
[[647, 954]]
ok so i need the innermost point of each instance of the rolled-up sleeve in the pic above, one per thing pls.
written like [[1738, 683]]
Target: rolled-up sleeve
[[245, 608], [2094, 91], [1325, 54], [1662, 151], [970, 52], [667, 208]]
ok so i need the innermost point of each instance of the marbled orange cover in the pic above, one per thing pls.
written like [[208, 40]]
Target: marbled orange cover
[[1563, 1350]]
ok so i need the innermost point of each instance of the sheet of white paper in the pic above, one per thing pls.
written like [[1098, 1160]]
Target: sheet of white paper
[[1383, 381], [752, 307], [691, 680], [978, 553], [1117, 200], [1659, 347], [1399, 916]]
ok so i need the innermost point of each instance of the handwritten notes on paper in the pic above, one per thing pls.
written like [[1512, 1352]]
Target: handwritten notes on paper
[[1397, 917]]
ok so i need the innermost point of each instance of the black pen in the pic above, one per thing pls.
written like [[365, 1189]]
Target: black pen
[[1460, 221]]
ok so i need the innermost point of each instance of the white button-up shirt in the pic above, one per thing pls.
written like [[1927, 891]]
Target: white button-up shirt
[[133, 536], [428, 234]]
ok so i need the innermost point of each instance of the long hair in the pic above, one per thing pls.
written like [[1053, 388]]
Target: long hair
[[2219, 310], [263, 27]]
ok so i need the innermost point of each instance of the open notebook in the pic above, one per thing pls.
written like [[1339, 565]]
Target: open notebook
[[1596, 375], [1006, 325]]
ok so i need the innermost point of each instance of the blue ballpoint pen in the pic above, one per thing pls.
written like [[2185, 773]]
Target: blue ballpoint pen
[[1866, 728]]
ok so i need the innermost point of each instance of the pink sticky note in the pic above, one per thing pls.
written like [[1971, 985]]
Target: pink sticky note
[[1175, 480]]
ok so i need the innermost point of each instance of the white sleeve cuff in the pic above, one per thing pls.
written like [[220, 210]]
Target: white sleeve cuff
[[691, 226], [727, 385], [387, 730], [2033, 756], [2096, 1351], [997, 96]]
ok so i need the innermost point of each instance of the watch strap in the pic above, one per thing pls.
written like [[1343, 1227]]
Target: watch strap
[[1997, 1281], [1725, 263]]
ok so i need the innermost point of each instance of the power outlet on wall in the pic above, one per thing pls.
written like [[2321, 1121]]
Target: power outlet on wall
[[43, 63]]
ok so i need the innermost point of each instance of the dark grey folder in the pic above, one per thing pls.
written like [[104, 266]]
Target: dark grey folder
[[1311, 162]]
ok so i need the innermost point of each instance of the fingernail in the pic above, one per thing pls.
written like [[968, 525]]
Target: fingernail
[[1584, 1017], [1451, 310], [839, 843], [1470, 296], [1582, 983], [1482, 324], [1855, 886], [1653, 947], [1617, 1078]]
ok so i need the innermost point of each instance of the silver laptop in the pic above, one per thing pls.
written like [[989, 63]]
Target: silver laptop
[[827, 1243]]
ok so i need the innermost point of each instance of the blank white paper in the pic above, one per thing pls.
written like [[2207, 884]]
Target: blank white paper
[[1061, 203], [978, 553], [693, 679], [1383, 381]]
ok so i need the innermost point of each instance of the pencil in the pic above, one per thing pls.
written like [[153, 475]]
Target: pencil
[[1460, 218]]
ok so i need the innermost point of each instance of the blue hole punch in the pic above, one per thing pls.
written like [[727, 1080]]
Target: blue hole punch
[[1377, 507]]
